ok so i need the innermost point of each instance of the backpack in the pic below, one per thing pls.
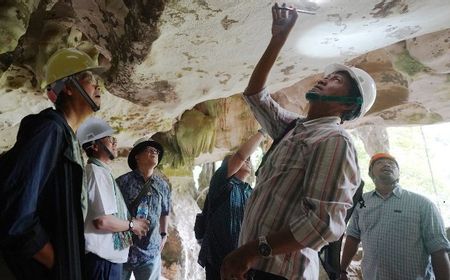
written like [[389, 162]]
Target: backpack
[[201, 219]]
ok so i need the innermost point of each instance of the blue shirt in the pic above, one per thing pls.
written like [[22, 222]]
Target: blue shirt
[[153, 205], [398, 234], [226, 201]]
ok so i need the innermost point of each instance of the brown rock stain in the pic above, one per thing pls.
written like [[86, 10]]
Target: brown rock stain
[[386, 8], [227, 22]]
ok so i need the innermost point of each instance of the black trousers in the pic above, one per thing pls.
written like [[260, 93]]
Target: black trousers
[[214, 274], [101, 269], [27, 269], [262, 275]]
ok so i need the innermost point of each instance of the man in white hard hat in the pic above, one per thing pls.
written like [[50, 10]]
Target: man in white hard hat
[[147, 195], [308, 178], [41, 217], [108, 225], [402, 233]]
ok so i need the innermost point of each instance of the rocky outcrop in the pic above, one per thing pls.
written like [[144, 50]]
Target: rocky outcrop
[[176, 70]]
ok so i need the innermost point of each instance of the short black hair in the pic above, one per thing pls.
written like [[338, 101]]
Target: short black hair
[[87, 147]]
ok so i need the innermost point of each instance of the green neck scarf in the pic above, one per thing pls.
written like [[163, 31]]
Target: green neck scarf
[[121, 239]]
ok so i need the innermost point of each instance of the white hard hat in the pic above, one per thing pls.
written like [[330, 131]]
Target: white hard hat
[[365, 82], [93, 129]]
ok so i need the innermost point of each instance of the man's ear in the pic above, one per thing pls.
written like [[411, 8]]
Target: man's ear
[[95, 147], [67, 90]]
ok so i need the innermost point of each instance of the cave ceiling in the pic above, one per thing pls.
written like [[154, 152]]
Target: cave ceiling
[[175, 68]]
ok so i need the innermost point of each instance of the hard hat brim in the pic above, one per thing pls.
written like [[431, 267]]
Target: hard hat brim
[[335, 67], [91, 125]]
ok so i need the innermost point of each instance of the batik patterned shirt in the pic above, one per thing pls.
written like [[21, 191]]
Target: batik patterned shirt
[[153, 205]]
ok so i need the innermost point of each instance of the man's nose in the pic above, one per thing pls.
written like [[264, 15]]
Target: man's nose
[[322, 82]]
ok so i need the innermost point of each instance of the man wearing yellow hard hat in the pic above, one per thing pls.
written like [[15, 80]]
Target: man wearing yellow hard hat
[[41, 220]]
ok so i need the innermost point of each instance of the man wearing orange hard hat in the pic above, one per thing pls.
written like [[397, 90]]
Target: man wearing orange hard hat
[[402, 233]]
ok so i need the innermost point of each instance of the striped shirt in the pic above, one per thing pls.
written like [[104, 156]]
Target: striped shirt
[[306, 185], [398, 235]]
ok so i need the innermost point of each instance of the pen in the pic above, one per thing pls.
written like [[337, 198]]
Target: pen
[[298, 10]]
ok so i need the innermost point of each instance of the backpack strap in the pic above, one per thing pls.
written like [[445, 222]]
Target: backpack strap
[[139, 197], [332, 252], [275, 142]]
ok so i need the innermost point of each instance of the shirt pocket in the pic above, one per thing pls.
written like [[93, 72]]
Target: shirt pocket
[[406, 224], [290, 153]]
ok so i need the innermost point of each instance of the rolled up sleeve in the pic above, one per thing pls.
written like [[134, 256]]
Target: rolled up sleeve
[[433, 230], [353, 226], [270, 115]]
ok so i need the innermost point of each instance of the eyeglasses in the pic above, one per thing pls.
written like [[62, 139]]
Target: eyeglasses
[[152, 150]]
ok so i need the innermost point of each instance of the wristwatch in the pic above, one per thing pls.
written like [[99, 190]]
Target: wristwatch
[[264, 249], [130, 225], [163, 234]]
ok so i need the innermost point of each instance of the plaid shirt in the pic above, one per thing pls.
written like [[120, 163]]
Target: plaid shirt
[[306, 184], [398, 235]]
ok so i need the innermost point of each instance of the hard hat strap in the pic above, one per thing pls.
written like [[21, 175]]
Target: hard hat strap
[[83, 93], [313, 96], [108, 151]]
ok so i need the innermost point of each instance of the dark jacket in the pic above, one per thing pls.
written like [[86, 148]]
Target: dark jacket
[[225, 210], [40, 198]]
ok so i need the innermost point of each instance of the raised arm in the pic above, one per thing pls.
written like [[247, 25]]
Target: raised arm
[[238, 159], [283, 21], [270, 115]]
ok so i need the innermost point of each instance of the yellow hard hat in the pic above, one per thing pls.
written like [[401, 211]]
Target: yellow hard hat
[[67, 62]]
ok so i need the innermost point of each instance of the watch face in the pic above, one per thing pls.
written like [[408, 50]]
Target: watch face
[[264, 250], [131, 224]]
